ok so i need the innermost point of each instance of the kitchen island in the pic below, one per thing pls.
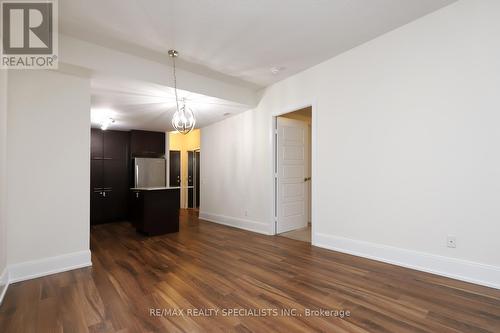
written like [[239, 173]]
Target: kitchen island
[[155, 210]]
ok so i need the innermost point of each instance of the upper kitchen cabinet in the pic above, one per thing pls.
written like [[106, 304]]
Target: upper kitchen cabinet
[[116, 145], [96, 144], [109, 145], [147, 144]]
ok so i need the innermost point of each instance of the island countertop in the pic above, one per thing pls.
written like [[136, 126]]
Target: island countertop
[[158, 188]]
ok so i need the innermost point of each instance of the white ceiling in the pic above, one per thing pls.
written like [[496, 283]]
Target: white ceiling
[[240, 38], [235, 41], [148, 106]]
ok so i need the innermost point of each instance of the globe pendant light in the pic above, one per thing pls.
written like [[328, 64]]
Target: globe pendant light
[[183, 120]]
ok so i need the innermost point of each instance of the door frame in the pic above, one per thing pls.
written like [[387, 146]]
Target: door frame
[[314, 150]]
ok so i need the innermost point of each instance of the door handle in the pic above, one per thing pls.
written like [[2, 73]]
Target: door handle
[[307, 178]]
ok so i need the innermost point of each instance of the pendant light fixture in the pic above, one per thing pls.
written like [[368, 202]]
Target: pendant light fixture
[[183, 120]]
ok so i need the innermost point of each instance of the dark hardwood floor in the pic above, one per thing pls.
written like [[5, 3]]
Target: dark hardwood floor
[[209, 266]]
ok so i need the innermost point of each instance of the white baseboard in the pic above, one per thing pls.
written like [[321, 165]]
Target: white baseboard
[[47, 266], [259, 227], [4, 283], [463, 270]]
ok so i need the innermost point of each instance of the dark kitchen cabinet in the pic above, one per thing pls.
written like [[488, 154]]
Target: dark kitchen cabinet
[[96, 206], [96, 144], [136, 208], [109, 145], [116, 145], [115, 181], [147, 144], [109, 176], [155, 212], [96, 202]]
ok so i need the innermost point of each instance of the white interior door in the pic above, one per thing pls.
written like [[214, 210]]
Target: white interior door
[[291, 167]]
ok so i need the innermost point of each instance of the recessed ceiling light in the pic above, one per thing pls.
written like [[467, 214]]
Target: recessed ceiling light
[[276, 69]]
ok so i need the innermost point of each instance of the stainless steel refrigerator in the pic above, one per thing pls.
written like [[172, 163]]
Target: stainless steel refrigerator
[[150, 172]]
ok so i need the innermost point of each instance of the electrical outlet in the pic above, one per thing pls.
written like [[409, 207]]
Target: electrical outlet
[[451, 241]]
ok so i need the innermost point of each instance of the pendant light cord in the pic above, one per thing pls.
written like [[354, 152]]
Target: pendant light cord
[[175, 85]]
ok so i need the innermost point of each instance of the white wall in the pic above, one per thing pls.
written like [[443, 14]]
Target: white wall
[[48, 171], [3, 174], [235, 170], [407, 147]]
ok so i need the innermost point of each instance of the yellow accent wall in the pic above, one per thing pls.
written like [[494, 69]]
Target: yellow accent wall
[[184, 143]]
